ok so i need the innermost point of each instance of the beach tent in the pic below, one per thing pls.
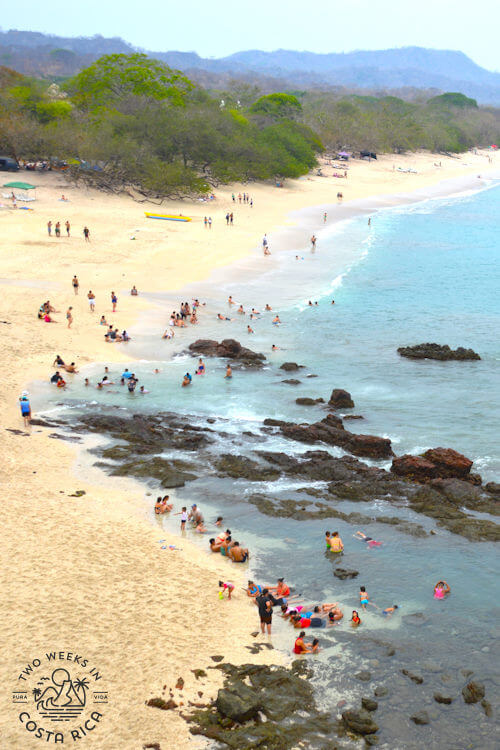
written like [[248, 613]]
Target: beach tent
[[368, 155], [20, 186], [344, 155]]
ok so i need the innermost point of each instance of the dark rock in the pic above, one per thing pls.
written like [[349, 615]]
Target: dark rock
[[341, 399], [160, 703], [311, 376], [381, 692], [151, 746], [458, 492], [171, 473], [227, 349], [290, 366], [439, 698], [344, 573], [305, 401], [243, 467], [359, 722], [217, 658], [493, 488], [371, 739], [413, 677], [67, 438], [448, 463], [291, 381], [198, 673], [275, 422], [331, 431], [436, 351], [369, 704], [240, 704], [364, 676], [473, 692], [421, 717], [353, 416], [488, 710]]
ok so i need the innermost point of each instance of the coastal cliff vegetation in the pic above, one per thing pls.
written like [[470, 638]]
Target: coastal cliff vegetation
[[128, 122]]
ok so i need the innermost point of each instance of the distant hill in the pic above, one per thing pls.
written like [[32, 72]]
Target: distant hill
[[414, 67]]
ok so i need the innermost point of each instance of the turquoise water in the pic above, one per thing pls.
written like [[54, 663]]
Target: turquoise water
[[423, 273]]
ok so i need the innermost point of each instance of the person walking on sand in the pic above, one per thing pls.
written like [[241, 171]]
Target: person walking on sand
[[49, 228], [324, 217], [210, 222], [265, 605], [86, 234], [58, 229], [69, 316], [25, 408], [75, 283], [68, 227], [91, 299], [114, 301], [313, 243]]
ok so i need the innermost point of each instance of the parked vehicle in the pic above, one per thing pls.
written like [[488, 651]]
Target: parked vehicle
[[8, 165]]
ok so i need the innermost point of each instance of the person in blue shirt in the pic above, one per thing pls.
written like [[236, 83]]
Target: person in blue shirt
[[25, 408], [126, 374]]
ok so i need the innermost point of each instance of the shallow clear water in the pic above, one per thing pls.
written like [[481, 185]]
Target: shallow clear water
[[423, 273]]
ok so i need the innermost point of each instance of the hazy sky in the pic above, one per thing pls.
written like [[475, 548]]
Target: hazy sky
[[219, 27]]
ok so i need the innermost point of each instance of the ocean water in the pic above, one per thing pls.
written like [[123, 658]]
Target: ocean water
[[427, 272]]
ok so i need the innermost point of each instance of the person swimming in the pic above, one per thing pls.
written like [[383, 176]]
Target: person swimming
[[389, 611], [355, 619], [368, 539]]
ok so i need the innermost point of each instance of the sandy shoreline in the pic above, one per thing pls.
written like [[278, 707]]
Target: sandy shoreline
[[86, 574]]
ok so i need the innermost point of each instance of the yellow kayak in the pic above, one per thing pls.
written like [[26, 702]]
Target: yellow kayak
[[167, 217]]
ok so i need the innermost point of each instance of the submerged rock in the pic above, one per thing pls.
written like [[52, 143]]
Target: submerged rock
[[421, 718], [413, 677], [473, 692], [341, 399], [305, 401], [436, 351], [331, 430], [292, 381], [439, 698], [344, 573], [369, 704], [359, 722], [290, 366]]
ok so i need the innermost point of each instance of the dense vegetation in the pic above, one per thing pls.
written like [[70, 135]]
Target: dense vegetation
[[129, 122]]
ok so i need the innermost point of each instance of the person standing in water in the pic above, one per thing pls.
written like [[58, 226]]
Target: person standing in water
[[229, 372], [441, 590], [336, 544]]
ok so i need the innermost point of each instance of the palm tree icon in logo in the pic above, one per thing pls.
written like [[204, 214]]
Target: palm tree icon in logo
[[64, 698]]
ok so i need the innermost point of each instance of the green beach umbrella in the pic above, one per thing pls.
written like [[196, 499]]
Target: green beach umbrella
[[20, 185]]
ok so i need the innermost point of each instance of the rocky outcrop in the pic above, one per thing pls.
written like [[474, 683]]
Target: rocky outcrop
[[242, 467], [331, 431], [413, 677], [340, 399], [445, 699], [227, 349], [264, 706], [436, 351], [448, 463], [434, 463]]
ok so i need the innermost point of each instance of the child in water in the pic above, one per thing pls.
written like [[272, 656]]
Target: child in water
[[355, 619]]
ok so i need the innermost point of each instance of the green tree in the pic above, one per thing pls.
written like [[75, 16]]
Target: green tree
[[115, 79], [277, 106]]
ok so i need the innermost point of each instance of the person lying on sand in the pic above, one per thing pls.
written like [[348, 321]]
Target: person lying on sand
[[253, 589], [70, 368]]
